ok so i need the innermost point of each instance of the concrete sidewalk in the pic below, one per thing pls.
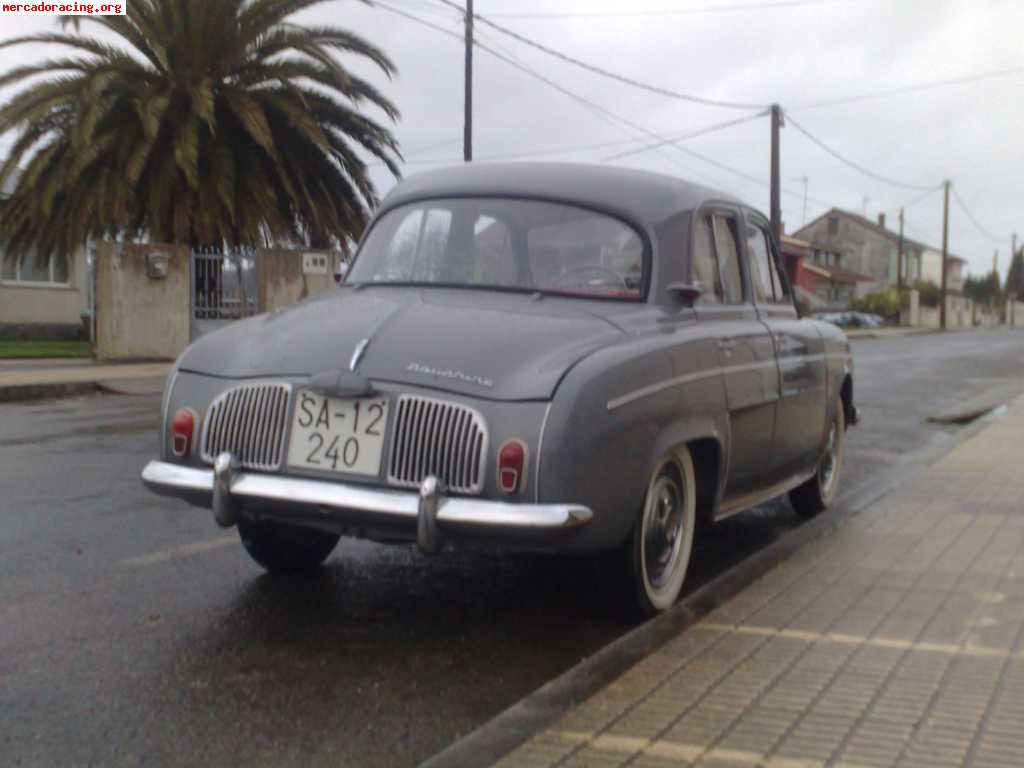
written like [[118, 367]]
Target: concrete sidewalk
[[47, 379], [896, 640]]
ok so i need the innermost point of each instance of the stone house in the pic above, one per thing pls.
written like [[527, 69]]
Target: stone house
[[869, 248], [819, 276]]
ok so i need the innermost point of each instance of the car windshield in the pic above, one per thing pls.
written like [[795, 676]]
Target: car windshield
[[504, 243]]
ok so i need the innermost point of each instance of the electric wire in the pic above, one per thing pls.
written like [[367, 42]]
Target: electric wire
[[690, 135], [724, 8], [604, 72], [852, 164], [913, 88], [973, 219], [616, 120]]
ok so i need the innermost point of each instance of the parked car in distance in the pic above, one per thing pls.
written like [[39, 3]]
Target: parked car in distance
[[851, 319], [554, 357]]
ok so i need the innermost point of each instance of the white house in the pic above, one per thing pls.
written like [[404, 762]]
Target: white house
[[42, 300], [931, 269]]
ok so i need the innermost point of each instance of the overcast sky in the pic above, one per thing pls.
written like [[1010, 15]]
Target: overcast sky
[[794, 53]]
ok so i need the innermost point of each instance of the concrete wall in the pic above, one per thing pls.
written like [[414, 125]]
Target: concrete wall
[[1015, 314], [961, 312], [282, 282], [43, 310], [136, 316]]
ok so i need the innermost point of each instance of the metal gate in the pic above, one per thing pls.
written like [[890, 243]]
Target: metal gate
[[225, 287]]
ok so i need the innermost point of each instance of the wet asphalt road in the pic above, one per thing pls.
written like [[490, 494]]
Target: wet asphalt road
[[132, 631]]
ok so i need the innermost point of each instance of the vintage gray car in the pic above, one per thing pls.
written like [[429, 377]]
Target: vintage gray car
[[542, 356]]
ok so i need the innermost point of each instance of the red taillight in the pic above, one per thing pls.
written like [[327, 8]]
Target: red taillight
[[183, 425], [511, 466]]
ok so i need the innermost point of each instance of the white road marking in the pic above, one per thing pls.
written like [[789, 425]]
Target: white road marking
[[187, 550]]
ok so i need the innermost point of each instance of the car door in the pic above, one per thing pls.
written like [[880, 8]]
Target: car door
[[801, 412], [746, 355]]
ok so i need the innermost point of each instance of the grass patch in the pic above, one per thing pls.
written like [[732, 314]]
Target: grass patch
[[10, 350]]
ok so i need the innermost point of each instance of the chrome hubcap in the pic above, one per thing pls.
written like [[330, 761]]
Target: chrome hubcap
[[663, 532]]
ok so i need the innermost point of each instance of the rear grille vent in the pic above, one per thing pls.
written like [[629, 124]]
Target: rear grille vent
[[249, 421], [434, 437]]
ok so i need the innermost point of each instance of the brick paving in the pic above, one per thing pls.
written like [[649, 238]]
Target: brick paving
[[898, 640]]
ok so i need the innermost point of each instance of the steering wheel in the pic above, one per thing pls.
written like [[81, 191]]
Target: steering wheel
[[577, 273]]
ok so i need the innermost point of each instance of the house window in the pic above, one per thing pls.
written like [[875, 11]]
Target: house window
[[30, 271], [833, 225]]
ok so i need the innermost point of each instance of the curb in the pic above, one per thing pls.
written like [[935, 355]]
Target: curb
[[540, 709], [860, 335], [15, 393]]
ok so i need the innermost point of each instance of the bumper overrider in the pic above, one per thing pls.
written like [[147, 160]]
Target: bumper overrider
[[226, 489]]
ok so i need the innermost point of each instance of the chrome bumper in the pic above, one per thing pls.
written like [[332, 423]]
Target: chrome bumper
[[225, 488]]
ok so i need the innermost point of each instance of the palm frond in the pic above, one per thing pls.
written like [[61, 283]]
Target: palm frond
[[203, 121]]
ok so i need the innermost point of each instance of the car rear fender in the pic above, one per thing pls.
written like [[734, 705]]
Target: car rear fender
[[707, 436]]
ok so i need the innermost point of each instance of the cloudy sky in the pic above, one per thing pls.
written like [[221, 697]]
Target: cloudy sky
[[793, 52]]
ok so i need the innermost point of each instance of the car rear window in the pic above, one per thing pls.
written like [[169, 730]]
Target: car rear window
[[504, 243]]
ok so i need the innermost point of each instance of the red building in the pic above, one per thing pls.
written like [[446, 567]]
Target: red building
[[817, 277]]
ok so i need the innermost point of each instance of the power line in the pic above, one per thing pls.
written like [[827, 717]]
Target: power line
[[602, 112], [603, 72], [626, 126], [613, 119], [910, 89], [690, 135], [730, 7], [928, 193], [974, 220], [856, 166]]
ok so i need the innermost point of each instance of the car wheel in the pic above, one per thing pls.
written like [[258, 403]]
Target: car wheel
[[663, 534], [817, 493], [286, 548]]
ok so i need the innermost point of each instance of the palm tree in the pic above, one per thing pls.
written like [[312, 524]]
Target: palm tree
[[210, 122]]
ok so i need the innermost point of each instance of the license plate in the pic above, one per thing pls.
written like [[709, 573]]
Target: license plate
[[337, 434]]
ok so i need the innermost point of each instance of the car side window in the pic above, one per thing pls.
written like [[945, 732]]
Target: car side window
[[782, 295], [769, 287], [760, 267], [705, 263], [728, 258]]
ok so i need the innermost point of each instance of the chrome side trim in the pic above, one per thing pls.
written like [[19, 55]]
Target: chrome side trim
[[737, 504], [653, 389], [165, 407], [540, 451], [660, 386], [339, 498]]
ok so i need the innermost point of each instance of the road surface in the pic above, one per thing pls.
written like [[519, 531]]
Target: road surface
[[133, 631]]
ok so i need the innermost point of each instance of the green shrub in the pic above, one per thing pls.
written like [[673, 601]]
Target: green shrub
[[928, 293], [886, 304]]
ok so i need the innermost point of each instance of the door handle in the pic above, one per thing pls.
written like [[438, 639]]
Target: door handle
[[727, 345]]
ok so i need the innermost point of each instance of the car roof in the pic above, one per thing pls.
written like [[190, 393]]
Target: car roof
[[645, 197]]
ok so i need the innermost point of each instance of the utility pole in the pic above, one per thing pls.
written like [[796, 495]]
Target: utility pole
[[899, 259], [776, 193], [467, 135], [945, 253]]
